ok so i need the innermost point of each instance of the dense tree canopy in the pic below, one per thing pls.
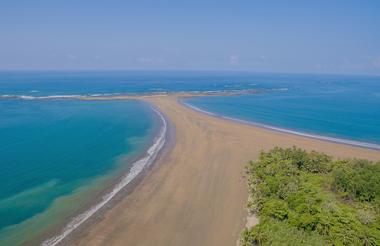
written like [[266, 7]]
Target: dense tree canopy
[[309, 199]]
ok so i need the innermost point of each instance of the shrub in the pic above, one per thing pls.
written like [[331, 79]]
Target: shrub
[[359, 179], [277, 209], [298, 197]]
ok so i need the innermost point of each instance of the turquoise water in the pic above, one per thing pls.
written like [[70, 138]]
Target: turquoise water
[[49, 149], [57, 155]]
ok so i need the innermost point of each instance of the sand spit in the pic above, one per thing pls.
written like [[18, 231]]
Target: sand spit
[[196, 193]]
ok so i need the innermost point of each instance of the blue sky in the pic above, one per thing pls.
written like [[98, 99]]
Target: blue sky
[[260, 36]]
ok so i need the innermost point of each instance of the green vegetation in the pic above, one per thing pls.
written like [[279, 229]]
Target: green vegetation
[[309, 199]]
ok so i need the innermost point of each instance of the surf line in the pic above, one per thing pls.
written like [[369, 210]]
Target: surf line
[[136, 168], [349, 142]]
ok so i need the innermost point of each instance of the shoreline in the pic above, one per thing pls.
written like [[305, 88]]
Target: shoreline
[[196, 194], [99, 187], [126, 191], [349, 142], [83, 224], [181, 95], [139, 165]]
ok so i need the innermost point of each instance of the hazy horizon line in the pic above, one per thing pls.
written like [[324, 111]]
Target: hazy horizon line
[[189, 70]]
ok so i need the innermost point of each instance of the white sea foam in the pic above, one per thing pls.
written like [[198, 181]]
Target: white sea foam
[[60, 96], [157, 91], [28, 97], [198, 109], [137, 167], [280, 89], [309, 135], [73, 96], [6, 96]]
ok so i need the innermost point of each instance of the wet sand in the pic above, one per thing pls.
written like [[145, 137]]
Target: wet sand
[[196, 193]]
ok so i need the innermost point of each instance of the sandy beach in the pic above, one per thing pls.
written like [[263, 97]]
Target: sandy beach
[[195, 194]]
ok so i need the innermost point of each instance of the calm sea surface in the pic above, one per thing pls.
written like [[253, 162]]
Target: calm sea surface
[[56, 154], [345, 107], [54, 149]]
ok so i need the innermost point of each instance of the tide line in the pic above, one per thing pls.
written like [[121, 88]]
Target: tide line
[[136, 168], [278, 129]]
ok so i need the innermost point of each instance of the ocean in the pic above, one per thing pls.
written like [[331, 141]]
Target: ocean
[[57, 157], [335, 107]]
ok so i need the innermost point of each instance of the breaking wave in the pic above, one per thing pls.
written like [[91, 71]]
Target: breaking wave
[[136, 168]]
